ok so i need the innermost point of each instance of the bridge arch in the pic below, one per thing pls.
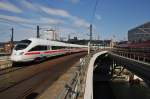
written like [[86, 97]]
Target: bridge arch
[[89, 78]]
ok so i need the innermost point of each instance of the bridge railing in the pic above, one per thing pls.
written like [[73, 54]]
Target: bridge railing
[[75, 87], [70, 91], [133, 54]]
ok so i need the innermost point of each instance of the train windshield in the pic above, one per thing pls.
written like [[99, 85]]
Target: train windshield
[[22, 44]]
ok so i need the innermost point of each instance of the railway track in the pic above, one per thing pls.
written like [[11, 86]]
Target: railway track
[[8, 70], [31, 81], [13, 67], [6, 75]]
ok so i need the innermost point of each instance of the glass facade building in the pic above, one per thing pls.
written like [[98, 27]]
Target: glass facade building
[[140, 33]]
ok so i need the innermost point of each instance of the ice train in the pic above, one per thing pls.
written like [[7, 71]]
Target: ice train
[[35, 49]]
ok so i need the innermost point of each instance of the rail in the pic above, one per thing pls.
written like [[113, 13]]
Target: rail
[[133, 54]]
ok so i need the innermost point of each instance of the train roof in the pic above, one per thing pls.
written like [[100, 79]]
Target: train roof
[[53, 43]]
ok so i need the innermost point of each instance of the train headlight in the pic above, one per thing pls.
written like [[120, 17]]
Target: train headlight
[[21, 53]]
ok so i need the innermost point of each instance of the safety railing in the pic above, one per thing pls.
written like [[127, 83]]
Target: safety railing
[[140, 56], [75, 88], [69, 91]]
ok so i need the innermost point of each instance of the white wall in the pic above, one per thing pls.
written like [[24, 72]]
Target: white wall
[[89, 79]]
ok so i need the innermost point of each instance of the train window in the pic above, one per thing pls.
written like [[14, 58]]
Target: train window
[[22, 44], [39, 48], [57, 47], [44, 48], [36, 48]]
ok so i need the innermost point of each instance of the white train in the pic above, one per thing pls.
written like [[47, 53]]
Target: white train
[[35, 49]]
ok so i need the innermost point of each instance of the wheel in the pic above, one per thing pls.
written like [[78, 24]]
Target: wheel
[[13, 63], [38, 59]]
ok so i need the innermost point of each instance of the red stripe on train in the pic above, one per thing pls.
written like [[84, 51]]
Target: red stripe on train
[[32, 53], [53, 51], [46, 52]]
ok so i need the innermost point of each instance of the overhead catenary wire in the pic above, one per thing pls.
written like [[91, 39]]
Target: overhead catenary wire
[[92, 18], [94, 11], [23, 24], [7, 21], [98, 4], [94, 14], [14, 22]]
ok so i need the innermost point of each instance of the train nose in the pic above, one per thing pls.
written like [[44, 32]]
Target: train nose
[[16, 56]]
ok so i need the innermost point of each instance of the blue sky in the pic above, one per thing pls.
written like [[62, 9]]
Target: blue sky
[[111, 18]]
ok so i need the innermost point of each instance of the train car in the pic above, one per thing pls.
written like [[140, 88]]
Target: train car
[[35, 49]]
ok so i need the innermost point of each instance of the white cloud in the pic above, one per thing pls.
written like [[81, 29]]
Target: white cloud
[[14, 19], [9, 7], [56, 12], [72, 20], [76, 21], [29, 5], [75, 1], [98, 17], [50, 21], [40, 21]]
